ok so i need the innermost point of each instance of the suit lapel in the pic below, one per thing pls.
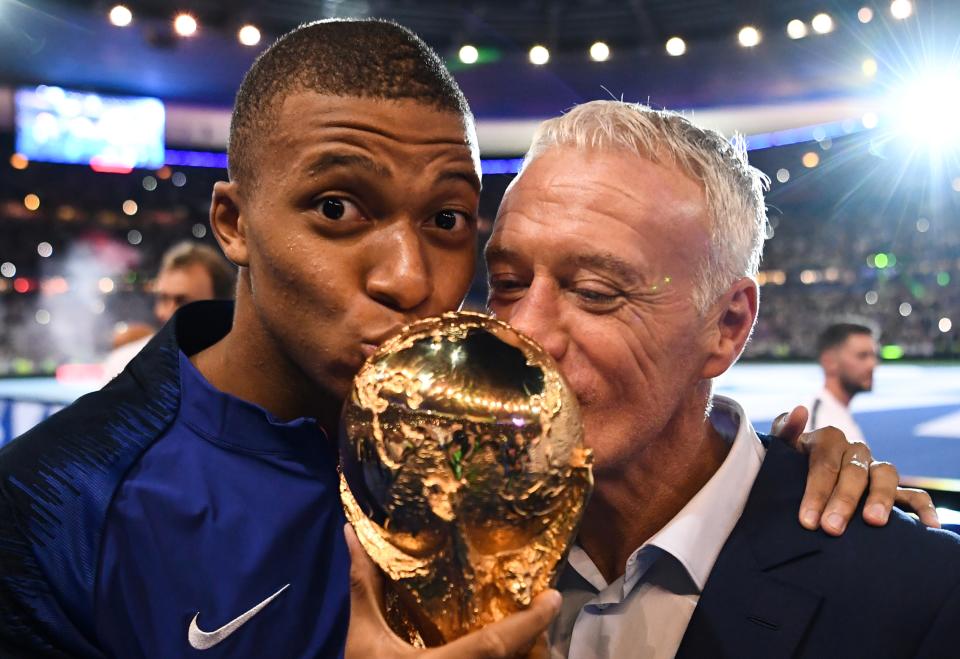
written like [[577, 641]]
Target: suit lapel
[[745, 610]]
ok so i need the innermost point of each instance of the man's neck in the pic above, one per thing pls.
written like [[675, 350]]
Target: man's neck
[[838, 391], [247, 364], [629, 508]]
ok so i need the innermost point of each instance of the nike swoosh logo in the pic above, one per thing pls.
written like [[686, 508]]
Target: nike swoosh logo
[[201, 640]]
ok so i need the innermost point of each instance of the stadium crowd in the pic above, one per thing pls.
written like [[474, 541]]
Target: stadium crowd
[[78, 250]]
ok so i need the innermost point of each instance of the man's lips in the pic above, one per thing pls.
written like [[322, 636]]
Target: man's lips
[[370, 343]]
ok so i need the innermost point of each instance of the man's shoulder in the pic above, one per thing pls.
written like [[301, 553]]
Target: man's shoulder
[[779, 490], [56, 484], [778, 589]]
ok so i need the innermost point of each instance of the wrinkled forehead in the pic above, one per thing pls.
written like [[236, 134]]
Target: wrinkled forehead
[[406, 121], [606, 190]]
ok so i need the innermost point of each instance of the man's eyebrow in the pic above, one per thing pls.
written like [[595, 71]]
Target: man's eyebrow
[[610, 263], [604, 261], [327, 161], [494, 252], [460, 175]]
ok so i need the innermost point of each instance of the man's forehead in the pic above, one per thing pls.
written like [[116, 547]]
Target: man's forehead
[[607, 194], [403, 120], [860, 341], [309, 122], [179, 275]]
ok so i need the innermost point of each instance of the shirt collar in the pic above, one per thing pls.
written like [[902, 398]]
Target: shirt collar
[[827, 395], [695, 535], [227, 419]]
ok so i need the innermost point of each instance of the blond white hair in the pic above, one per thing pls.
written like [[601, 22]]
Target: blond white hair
[[733, 188]]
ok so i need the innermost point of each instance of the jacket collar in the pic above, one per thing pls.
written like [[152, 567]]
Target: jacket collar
[[194, 327], [746, 608]]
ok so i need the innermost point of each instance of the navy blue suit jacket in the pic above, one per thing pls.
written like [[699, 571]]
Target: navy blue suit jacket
[[778, 590]]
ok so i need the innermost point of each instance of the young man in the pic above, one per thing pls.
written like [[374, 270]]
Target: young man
[[192, 504], [848, 356]]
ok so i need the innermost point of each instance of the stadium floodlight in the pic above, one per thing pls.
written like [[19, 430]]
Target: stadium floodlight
[[796, 29], [468, 54], [539, 55], [185, 25], [676, 46], [865, 15], [749, 36], [121, 16], [926, 109], [822, 23], [249, 35], [599, 52], [901, 9]]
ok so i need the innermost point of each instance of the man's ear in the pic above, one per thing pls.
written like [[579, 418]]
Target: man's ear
[[828, 361], [735, 313], [227, 222]]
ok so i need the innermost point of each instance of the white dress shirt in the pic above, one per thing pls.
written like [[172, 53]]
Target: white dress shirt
[[645, 612], [826, 410]]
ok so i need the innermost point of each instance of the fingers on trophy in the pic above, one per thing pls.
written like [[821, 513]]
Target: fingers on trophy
[[463, 472]]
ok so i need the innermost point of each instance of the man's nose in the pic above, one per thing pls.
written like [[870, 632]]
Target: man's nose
[[399, 276], [537, 314]]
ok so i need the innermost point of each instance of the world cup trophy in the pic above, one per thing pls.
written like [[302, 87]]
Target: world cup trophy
[[463, 472]]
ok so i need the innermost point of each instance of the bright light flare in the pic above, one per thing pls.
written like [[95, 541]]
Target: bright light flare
[[185, 25], [676, 46], [539, 55], [927, 109], [599, 52], [796, 29], [469, 54], [121, 16], [865, 15], [822, 23], [249, 35], [749, 36], [901, 9]]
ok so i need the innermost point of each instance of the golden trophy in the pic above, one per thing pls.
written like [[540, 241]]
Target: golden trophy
[[463, 471]]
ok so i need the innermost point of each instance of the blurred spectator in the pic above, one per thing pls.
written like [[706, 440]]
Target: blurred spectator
[[848, 355], [189, 272]]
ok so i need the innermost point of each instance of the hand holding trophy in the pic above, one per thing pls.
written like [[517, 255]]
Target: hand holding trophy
[[463, 472]]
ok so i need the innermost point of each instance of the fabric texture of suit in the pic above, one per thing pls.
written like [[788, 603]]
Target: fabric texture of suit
[[778, 590]]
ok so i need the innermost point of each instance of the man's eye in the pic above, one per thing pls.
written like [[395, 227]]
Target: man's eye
[[335, 208], [448, 220], [596, 297], [505, 285]]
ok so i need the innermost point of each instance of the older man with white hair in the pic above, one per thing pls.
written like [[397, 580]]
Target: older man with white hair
[[628, 247]]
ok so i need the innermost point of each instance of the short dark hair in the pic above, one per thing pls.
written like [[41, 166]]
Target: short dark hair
[[366, 58], [223, 275], [837, 334]]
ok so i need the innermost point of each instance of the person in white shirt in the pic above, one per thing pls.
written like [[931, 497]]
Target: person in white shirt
[[628, 247], [848, 356]]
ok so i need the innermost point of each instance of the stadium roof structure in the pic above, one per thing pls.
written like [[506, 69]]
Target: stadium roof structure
[[812, 80]]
